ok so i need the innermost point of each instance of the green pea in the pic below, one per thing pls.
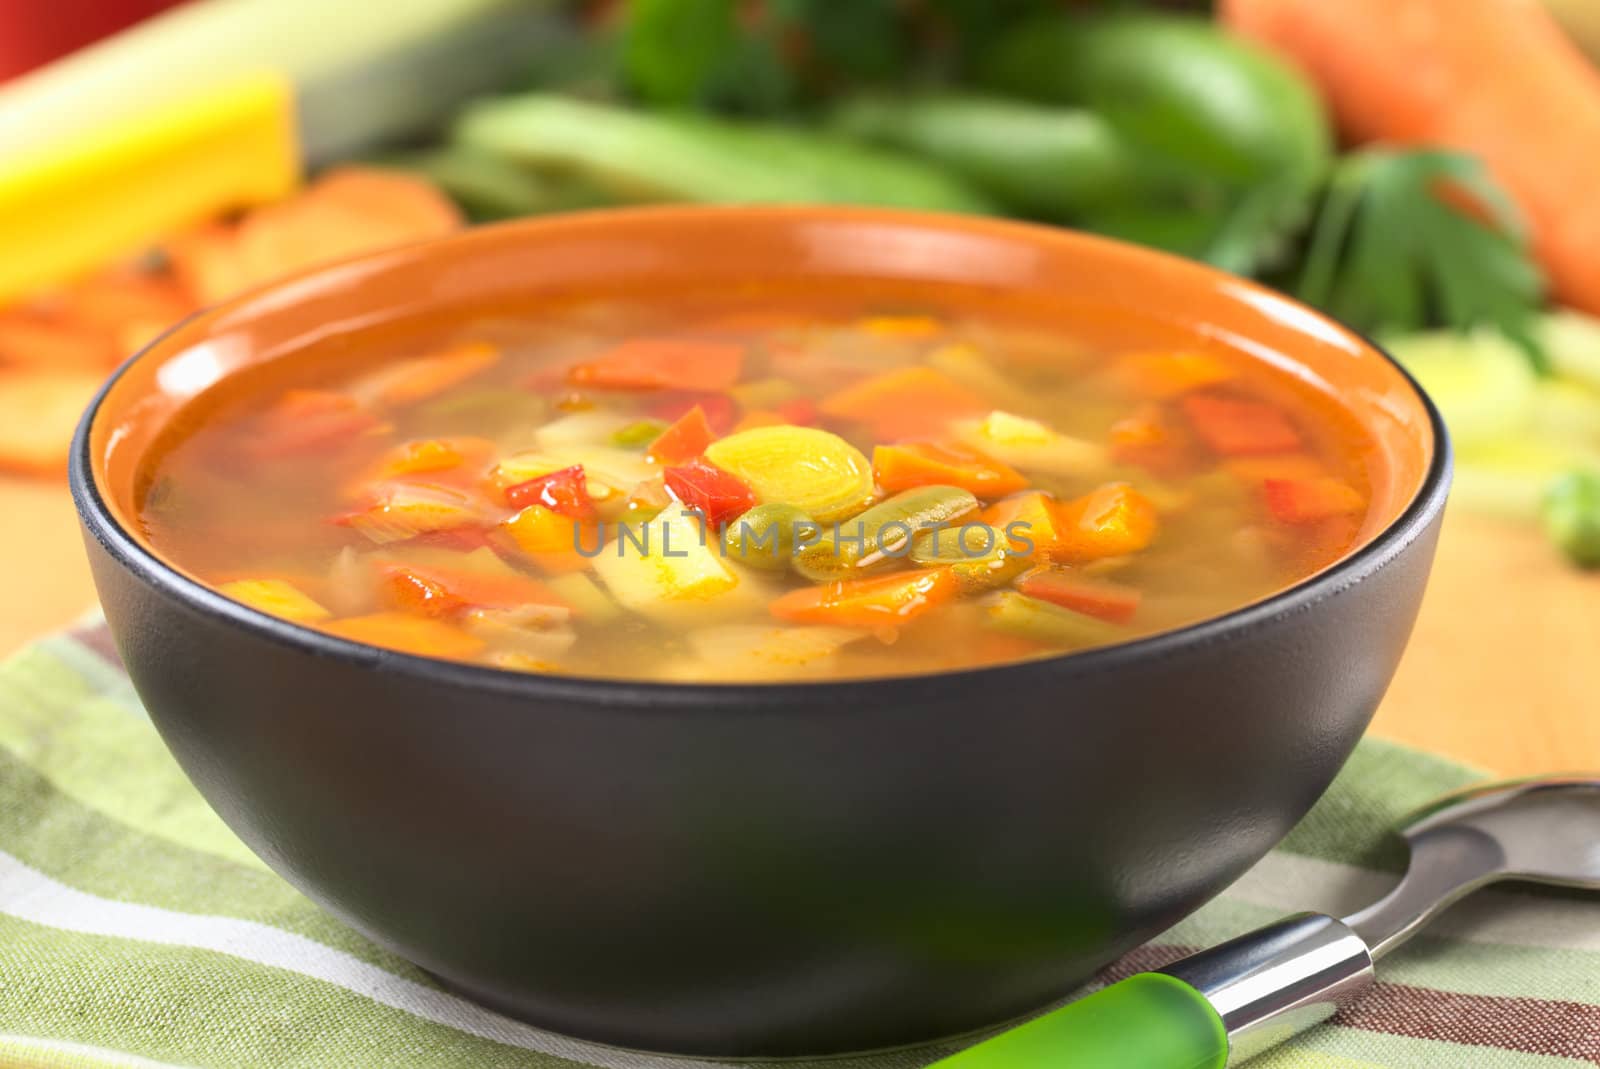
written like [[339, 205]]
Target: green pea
[[765, 536], [1572, 517], [882, 534], [642, 433]]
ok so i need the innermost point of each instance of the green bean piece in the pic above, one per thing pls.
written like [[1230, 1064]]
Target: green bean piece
[[765, 536], [639, 434], [876, 538], [1572, 517], [643, 156], [978, 555], [1017, 614]]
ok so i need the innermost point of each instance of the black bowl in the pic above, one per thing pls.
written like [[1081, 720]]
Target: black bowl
[[751, 870]]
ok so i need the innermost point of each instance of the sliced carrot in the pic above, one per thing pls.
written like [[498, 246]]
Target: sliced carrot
[[1232, 426], [39, 411], [129, 307], [538, 530], [1028, 520], [1110, 521], [1311, 500], [276, 597], [1094, 597], [684, 440], [304, 422], [908, 327], [408, 634], [346, 212], [422, 377], [902, 467], [48, 344], [870, 603], [1165, 375], [1257, 470], [913, 402], [207, 264], [663, 364]]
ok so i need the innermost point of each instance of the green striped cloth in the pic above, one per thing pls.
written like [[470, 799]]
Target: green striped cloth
[[136, 931]]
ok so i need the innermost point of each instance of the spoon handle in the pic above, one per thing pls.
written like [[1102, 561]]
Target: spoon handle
[[1216, 1008], [1149, 1021]]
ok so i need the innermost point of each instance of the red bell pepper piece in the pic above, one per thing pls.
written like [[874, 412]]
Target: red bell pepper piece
[[718, 495], [663, 364], [1310, 500], [801, 411], [565, 492], [1092, 597], [721, 411], [1236, 427]]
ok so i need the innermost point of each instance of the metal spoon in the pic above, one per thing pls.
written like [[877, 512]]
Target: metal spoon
[[1227, 1004]]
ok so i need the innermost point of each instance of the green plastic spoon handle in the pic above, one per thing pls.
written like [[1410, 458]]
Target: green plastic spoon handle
[[1148, 1021]]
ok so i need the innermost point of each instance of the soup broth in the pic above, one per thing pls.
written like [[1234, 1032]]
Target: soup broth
[[757, 488]]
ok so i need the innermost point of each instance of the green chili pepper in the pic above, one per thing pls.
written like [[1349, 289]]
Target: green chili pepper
[[645, 156], [1049, 162], [1572, 517]]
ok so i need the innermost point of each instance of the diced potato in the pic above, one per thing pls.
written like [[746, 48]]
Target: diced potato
[[592, 427], [591, 604], [1029, 445], [668, 567], [276, 597], [763, 651]]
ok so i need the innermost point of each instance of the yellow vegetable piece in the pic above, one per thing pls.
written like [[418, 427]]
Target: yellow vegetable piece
[[1028, 445], [815, 471], [664, 566], [275, 597]]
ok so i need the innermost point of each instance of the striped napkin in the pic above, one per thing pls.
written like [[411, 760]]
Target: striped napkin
[[136, 931]]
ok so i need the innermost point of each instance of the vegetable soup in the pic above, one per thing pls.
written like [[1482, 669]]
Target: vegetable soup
[[759, 487]]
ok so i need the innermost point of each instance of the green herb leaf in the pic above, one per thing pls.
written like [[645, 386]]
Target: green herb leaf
[[1406, 239]]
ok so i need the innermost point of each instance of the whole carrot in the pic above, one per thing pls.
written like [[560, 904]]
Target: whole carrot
[[1496, 78]]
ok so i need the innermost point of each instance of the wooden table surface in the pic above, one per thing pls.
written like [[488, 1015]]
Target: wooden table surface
[[1503, 670]]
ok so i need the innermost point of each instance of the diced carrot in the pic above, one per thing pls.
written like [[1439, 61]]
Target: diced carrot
[[206, 263], [759, 417], [346, 212], [902, 467], [913, 402], [50, 344], [1311, 500], [276, 597], [427, 376], [1165, 375], [303, 422], [663, 364], [721, 410], [1094, 597], [1028, 520], [432, 456], [909, 327], [1233, 426], [1110, 521], [871, 603], [537, 529], [408, 634], [1257, 470], [436, 590], [1151, 439], [39, 411], [684, 440], [800, 411]]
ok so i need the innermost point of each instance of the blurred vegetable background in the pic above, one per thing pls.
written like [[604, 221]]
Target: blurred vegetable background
[[1422, 169]]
